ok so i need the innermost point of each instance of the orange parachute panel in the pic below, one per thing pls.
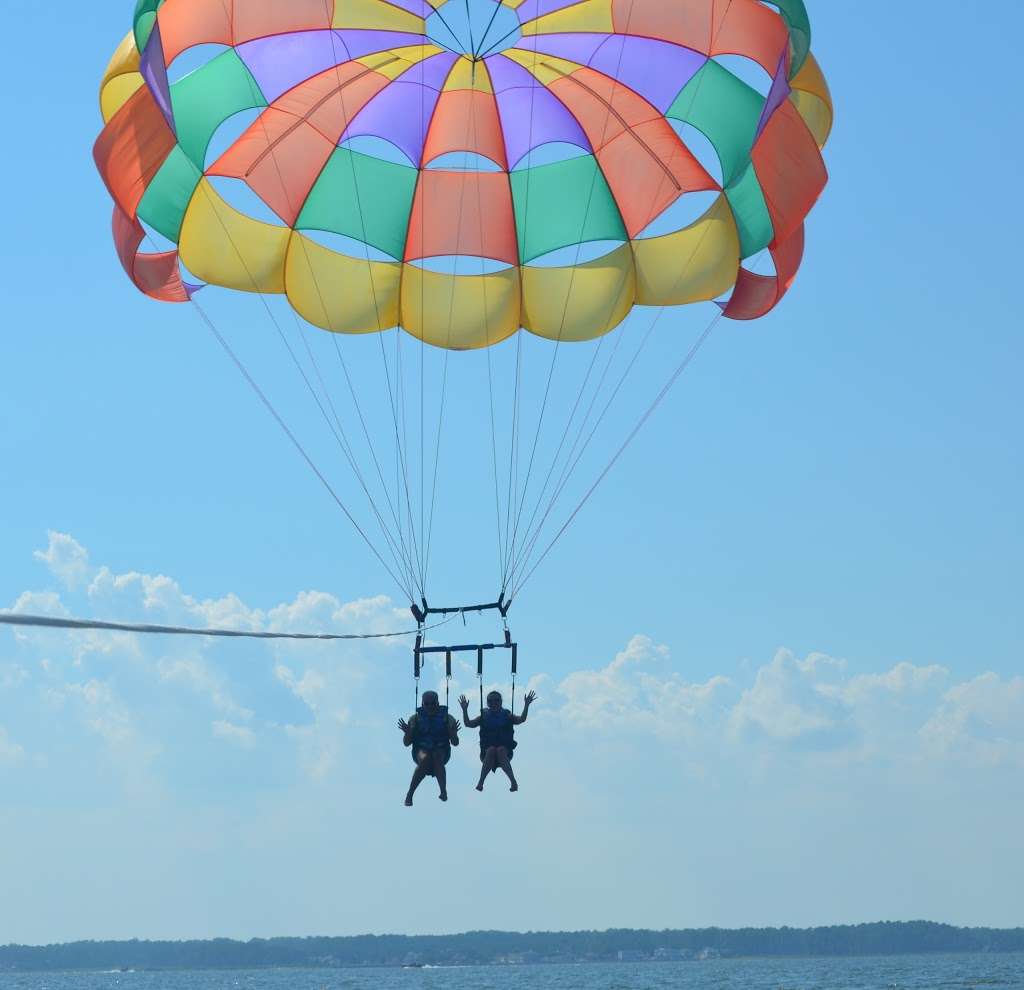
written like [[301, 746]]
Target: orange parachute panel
[[463, 214]]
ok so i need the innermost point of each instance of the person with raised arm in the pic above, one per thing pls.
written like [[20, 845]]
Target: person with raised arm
[[497, 735]]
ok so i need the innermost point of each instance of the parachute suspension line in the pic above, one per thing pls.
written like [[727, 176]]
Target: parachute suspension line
[[494, 463], [413, 553], [399, 552], [571, 465], [487, 348], [666, 388], [447, 350], [609, 111], [513, 450], [609, 104], [369, 441], [513, 462], [295, 442], [569, 468], [619, 338], [401, 402], [309, 386]]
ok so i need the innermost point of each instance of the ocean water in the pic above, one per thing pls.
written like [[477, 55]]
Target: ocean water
[[891, 973]]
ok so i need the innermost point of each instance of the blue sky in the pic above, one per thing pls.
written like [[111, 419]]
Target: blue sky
[[779, 655]]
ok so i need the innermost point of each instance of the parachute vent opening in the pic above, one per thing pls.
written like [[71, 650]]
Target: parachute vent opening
[[700, 147], [228, 133], [461, 265], [463, 161], [349, 247], [240, 196], [576, 254], [747, 71], [476, 28], [550, 154], [379, 148], [192, 60], [155, 241], [684, 212]]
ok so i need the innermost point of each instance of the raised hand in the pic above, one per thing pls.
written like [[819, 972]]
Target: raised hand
[[458, 725], [403, 725], [464, 701], [530, 698]]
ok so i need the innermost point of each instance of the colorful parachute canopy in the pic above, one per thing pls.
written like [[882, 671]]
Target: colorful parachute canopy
[[463, 168]]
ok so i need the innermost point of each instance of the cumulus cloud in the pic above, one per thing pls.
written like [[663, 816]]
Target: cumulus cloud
[[982, 719], [811, 706], [301, 705], [67, 560], [797, 703], [637, 691]]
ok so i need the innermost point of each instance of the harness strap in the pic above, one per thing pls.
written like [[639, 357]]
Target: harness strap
[[515, 664], [480, 677]]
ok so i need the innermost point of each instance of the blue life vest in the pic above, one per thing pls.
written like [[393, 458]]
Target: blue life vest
[[497, 729], [431, 729]]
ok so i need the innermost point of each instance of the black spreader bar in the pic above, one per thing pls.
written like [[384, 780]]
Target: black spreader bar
[[474, 648]]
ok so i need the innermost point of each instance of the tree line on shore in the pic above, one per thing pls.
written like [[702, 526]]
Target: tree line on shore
[[884, 938]]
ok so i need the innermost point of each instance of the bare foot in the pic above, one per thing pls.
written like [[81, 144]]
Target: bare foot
[[408, 801], [480, 788], [514, 788], [443, 796]]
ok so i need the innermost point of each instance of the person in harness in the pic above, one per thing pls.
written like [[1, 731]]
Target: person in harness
[[497, 735], [431, 733]]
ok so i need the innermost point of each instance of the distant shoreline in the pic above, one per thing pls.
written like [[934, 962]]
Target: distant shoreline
[[883, 939]]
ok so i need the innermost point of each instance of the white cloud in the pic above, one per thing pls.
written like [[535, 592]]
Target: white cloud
[[39, 603], [105, 714], [795, 702], [240, 735], [802, 708], [628, 695], [67, 560], [197, 676], [139, 693], [980, 721], [11, 753]]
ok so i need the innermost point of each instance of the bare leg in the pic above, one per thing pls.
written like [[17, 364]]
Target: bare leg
[[441, 773], [417, 777], [490, 761], [506, 765]]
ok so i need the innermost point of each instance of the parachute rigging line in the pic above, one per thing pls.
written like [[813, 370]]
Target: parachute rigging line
[[403, 557], [666, 388], [284, 340], [569, 469], [298, 446], [609, 111], [401, 465], [51, 622], [470, 124]]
